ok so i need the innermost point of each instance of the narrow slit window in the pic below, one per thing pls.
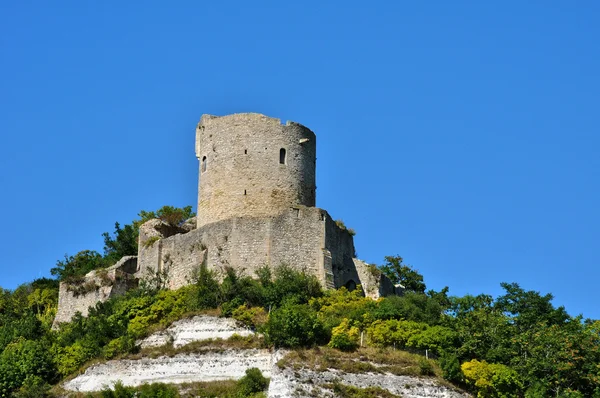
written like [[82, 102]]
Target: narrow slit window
[[203, 164], [244, 191], [282, 156]]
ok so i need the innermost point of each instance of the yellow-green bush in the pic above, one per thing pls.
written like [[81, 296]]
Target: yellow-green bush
[[491, 380], [252, 317], [345, 336], [393, 332], [335, 305]]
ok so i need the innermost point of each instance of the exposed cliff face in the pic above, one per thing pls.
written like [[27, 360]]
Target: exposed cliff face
[[210, 364], [183, 368], [308, 383], [193, 329]]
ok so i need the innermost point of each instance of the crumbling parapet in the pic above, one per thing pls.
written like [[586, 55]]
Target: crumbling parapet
[[375, 284], [96, 286]]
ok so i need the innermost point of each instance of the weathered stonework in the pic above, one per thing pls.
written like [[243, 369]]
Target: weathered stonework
[[305, 238], [256, 201], [251, 165], [96, 286]]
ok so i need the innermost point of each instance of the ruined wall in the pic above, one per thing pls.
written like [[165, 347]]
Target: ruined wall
[[295, 237], [341, 244], [240, 170], [96, 286], [305, 238], [373, 282]]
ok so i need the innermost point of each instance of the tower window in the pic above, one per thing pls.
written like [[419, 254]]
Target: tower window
[[282, 156], [203, 164]]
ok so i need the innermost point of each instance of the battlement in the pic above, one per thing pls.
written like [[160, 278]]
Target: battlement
[[247, 117]]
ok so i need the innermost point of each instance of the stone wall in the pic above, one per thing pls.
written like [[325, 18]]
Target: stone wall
[[96, 286], [305, 238], [373, 282], [240, 170]]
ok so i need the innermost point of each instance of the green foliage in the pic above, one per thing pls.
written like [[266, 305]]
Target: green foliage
[[252, 317], [21, 360], [252, 383], [78, 265], [209, 295], [294, 325], [33, 387], [426, 367], [411, 306], [289, 284], [123, 242], [346, 391], [516, 345], [492, 380], [451, 367], [393, 332], [345, 337], [154, 390], [171, 215], [404, 274], [336, 305]]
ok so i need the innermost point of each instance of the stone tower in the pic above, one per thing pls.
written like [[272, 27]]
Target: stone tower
[[251, 165], [256, 207]]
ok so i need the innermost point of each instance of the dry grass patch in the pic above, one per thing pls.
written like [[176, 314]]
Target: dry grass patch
[[363, 360], [346, 391], [235, 342]]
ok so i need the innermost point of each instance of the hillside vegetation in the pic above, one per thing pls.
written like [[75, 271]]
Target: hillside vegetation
[[516, 345]]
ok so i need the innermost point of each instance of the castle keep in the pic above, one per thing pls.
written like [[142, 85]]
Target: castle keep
[[256, 206]]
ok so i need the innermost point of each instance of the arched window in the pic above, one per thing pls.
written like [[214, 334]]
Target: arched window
[[203, 164], [282, 155]]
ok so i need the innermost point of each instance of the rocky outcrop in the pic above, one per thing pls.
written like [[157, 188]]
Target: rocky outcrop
[[309, 383], [197, 328]]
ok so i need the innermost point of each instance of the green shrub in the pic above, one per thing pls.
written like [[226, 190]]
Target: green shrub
[[492, 380], [294, 325], [451, 367], [345, 337], [253, 317], [253, 382], [291, 285], [425, 367], [209, 291], [154, 390]]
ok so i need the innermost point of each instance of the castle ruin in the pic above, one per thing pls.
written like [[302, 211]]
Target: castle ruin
[[256, 207]]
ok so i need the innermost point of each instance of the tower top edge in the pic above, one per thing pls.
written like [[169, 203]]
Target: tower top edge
[[240, 117]]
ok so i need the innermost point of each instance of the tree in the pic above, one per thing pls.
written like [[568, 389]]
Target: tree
[[528, 308], [123, 242], [404, 274], [78, 265], [294, 325], [171, 215]]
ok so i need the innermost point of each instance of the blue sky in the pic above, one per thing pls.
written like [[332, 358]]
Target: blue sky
[[463, 136]]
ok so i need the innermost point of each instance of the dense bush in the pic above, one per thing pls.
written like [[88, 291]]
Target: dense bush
[[344, 336], [294, 325], [252, 383], [518, 344]]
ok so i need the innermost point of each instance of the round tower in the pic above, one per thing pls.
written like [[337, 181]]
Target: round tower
[[251, 165]]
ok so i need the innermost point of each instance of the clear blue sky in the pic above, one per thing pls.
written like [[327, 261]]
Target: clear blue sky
[[463, 136]]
